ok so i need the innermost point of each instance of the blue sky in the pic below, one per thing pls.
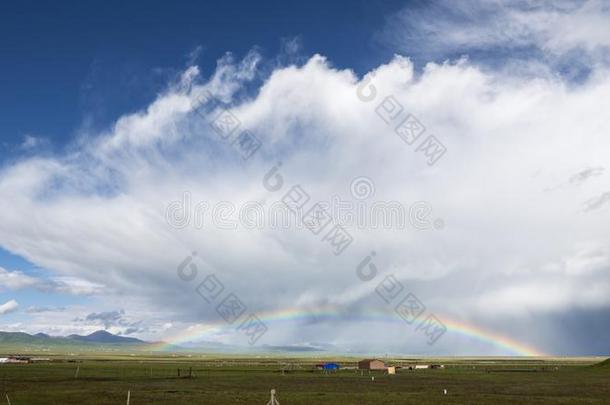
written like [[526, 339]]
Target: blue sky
[[74, 64], [106, 147]]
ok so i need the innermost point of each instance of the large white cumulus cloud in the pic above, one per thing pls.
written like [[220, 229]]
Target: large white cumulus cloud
[[525, 157]]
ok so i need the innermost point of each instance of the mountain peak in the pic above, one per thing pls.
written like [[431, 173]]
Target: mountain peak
[[101, 333], [103, 336]]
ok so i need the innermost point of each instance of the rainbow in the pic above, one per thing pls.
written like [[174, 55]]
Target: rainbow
[[329, 313]]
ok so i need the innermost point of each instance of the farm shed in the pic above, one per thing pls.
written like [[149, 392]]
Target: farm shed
[[371, 364], [328, 366]]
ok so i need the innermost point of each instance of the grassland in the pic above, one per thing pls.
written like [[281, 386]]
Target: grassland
[[153, 379]]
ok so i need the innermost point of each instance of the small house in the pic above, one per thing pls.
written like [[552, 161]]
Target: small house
[[371, 364]]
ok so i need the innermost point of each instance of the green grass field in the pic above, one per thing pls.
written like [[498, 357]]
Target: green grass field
[[155, 380]]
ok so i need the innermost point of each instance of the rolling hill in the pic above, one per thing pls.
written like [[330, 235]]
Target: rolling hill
[[603, 364], [95, 339]]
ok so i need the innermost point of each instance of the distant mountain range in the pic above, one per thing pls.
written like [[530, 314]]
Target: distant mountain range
[[101, 337], [105, 341]]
